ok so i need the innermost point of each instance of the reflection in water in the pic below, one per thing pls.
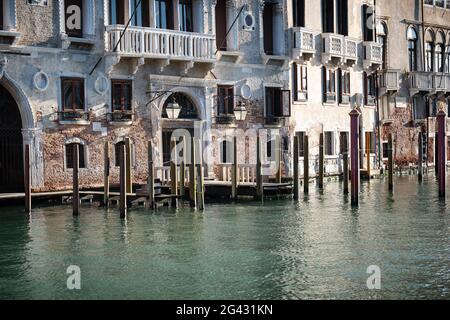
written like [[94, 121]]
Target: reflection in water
[[318, 247]]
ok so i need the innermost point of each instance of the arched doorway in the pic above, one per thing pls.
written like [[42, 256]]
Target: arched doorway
[[186, 120], [11, 144]]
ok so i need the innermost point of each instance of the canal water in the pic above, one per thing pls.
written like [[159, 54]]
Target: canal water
[[316, 248]]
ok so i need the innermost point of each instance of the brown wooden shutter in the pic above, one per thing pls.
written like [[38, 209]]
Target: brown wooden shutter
[[324, 84], [365, 85], [295, 84]]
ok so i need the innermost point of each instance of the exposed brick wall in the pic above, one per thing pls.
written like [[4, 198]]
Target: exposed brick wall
[[37, 24]]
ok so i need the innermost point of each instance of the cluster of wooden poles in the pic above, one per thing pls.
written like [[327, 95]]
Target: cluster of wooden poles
[[196, 186]]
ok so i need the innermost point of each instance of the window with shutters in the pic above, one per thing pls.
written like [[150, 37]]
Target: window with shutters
[[69, 155], [335, 11], [328, 16], [121, 91], [329, 85], [185, 15], [385, 151], [225, 102], [277, 104], [301, 140], [412, 48], [343, 142], [300, 82], [369, 89], [298, 10], [164, 14], [368, 25], [328, 143], [344, 86]]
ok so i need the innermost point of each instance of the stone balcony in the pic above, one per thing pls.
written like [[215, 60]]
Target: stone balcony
[[304, 44], [373, 55], [339, 49], [389, 82], [160, 44], [428, 82]]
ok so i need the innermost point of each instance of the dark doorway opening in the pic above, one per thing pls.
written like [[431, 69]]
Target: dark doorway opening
[[11, 144]]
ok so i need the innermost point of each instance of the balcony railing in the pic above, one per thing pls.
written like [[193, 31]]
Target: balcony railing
[[225, 119], [74, 116], [304, 44], [351, 49], [120, 116], [373, 54], [440, 82], [389, 81], [339, 47], [160, 43], [428, 81]]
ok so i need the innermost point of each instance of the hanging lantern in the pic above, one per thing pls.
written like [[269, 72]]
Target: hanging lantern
[[240, 112], [173, 110]]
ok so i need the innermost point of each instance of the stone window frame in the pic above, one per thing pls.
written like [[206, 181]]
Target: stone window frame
[[63, 75], [81, 142], [133, 152]]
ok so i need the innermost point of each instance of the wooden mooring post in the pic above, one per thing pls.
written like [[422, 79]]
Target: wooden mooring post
[[183, 169], [76, 189], [129, 181], [368, 147], [279, 159], [234, 170], [259, 178], [192, 179], [106, 174], [123, 182], [200, 179], [173, 172], [151, 177], [345, 165], [355, 170], [420, 160], [296, 173], [306, 164], [442, 143], [27, 179], [390, 163], [321, 161]]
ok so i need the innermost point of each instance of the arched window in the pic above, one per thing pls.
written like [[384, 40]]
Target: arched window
[[429, 51], [117, 147], [68, 153], [188, 109], [439, 52], [382, 40], [447, 59], [412, 48]]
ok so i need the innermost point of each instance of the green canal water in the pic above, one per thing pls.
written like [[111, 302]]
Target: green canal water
[[316, 248]]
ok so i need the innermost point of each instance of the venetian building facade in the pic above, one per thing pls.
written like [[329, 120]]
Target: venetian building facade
[[69, 80], [335, 57], [415, 75]]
